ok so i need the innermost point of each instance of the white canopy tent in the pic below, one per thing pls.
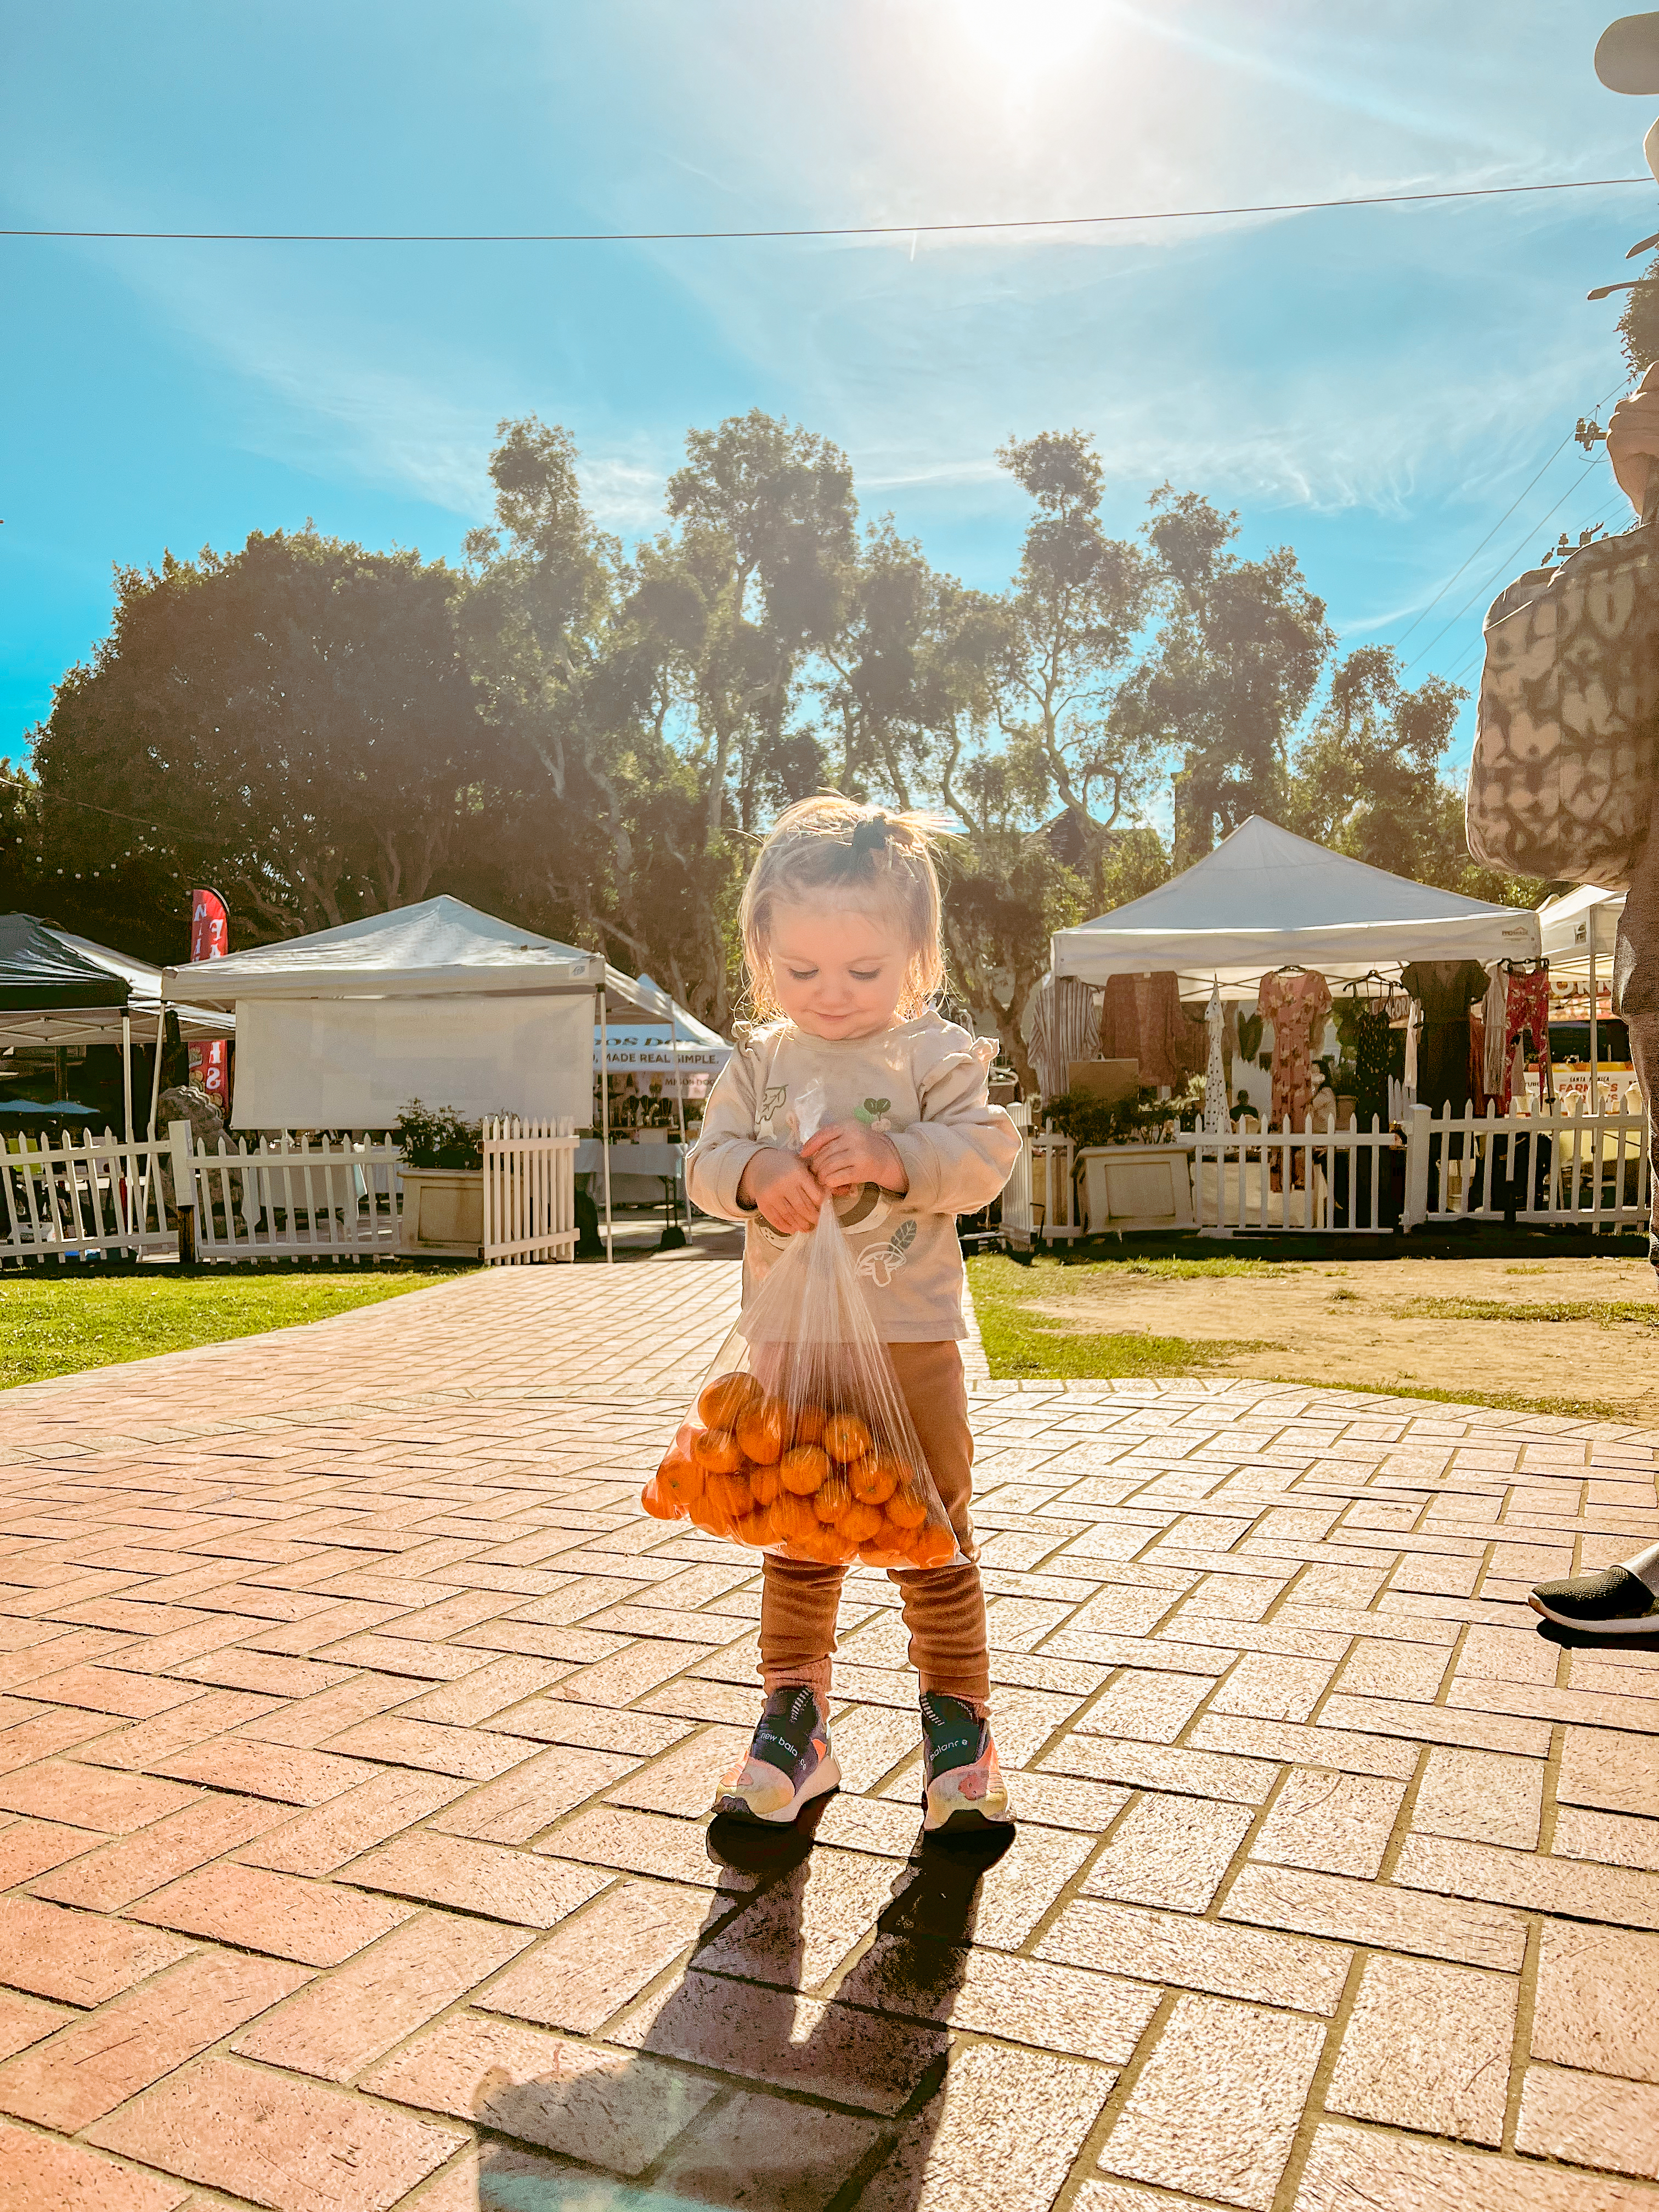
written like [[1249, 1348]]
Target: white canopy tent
[[1266, 899], [1580, 930], [342, 1028]]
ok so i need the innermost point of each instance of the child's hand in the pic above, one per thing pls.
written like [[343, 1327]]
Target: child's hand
[[784, 1188], [847, 1154]]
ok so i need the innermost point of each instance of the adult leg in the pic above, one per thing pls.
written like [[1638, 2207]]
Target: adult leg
[[1624, 1599]]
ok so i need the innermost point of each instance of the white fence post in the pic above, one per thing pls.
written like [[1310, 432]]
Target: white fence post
[[1017, 1191], [1417, 1167]]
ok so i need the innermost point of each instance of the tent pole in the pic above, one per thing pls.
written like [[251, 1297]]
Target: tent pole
[[156, 1076], [605, 1124], [127, 1069], [1595, 1093], [673, 1236]]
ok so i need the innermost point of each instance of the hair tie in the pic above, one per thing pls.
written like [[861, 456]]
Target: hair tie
[[869, 836]]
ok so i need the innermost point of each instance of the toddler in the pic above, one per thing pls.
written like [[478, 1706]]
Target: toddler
[[841, 942]]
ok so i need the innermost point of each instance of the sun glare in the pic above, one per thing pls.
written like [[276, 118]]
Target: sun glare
[[1024, 45]]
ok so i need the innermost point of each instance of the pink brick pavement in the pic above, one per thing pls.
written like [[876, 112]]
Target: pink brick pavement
[[356, 1728]]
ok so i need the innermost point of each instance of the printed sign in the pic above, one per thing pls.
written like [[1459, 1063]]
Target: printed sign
[[209, 933]]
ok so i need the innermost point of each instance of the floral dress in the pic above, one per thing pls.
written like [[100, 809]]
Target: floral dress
[[1298, 1005]]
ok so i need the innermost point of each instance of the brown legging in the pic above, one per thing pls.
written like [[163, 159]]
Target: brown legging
[[944, 1607]]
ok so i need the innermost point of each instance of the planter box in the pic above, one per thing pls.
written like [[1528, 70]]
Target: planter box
[[1136, 1187], [443, 1212]]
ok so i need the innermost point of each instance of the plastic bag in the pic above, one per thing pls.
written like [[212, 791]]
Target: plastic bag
[[799, 1442]]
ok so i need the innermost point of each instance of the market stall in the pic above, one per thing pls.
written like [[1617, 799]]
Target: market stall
[[342, 1028], [1580, 931], [1274, 922], [657, 1074], [61, 994]]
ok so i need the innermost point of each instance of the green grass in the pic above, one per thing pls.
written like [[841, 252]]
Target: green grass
[[1505, 1401], [1600, 1312], [1021, 1345], [60, 1324], [993, 1275]]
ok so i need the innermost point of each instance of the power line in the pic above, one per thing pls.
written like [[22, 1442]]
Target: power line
[[1491, 578], [1499, 525], [1601, 515], [825, 230]]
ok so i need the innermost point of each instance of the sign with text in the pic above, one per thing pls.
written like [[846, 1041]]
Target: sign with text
[[209, 933]]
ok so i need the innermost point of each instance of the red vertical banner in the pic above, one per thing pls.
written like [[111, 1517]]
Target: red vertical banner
[[209, 932]]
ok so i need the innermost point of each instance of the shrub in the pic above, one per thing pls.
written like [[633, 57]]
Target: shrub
[[437, 1137], [1142, 1119]]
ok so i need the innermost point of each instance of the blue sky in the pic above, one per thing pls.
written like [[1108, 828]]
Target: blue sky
[[1373, 387]]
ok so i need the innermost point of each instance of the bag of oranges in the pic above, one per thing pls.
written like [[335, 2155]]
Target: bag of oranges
[[799, 1442]]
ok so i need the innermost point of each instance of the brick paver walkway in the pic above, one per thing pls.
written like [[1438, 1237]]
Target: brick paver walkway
[[357, 1730]]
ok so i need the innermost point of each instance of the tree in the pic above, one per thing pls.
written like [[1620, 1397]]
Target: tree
[[1004, 895], [293, 723], [1239, 651], [1077, 610], [1365, 780]]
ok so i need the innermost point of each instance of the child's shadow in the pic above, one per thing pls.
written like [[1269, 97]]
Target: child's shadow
[[876, 2054]]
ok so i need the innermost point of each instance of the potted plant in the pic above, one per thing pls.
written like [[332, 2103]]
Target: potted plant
[[442, 1177]]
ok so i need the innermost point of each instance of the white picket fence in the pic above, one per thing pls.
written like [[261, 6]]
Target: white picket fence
[[1562, 1168], [281, 1197], [529, 1191], [82, 1198], [1559, 1167], [1306, 1182], [277, 1196]]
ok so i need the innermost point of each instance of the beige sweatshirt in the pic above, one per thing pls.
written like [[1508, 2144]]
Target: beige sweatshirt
[[922, 1083]]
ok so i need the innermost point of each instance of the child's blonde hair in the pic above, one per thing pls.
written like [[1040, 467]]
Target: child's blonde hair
[[830, 849]]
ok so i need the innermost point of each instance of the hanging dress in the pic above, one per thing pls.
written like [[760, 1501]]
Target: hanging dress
[[1298, 1005]]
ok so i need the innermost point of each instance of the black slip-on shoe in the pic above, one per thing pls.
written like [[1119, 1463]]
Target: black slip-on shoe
[[1614, 1602]]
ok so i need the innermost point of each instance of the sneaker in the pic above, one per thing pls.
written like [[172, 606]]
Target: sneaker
[[789, 1761], [963, 1789], [1619, 1602]]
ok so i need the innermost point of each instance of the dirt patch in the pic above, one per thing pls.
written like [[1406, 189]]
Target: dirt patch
[[1565, 1334]]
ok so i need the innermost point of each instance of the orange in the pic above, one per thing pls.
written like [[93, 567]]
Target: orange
[[859, 1522], [658, 1503], [892, 1540], [806, 1424], [721, 1400], [680, 1477], [874, 1478], [762, 1430], [932, 1545], [716, 1452], [730, 1496], [824, 1546], [803, 1468], [845, 1437], [832, 1499], [794, 1520], [766, 1483], [754, 1528], [908, 1507]]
